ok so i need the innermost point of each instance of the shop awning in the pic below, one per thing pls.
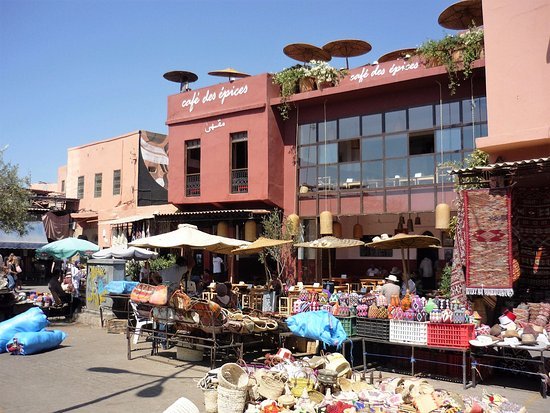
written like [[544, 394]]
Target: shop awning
[[84, 215], [126, 220], [33, 239]]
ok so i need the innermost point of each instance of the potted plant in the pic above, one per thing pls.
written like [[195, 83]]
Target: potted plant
[[325, 75], [456, 52], [288, 79]]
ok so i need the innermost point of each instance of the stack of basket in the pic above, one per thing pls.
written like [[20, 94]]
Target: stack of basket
[[232, 389]]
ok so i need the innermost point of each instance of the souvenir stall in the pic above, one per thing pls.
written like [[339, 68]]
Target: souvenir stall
[[501, 264]]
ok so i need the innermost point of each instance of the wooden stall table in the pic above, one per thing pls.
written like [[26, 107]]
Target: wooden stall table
[[370, 283], [515, 355]]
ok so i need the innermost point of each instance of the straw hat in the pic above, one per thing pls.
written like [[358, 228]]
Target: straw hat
[[392, 278], [484, 340], [528, 340]]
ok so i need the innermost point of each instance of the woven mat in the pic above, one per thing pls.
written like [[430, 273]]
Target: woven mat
[[532, 226], [488, 236]]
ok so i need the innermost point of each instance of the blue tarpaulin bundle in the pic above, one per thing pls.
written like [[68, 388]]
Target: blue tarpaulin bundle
[[121, 287], [318, 325], [26, 343], [31, 320]]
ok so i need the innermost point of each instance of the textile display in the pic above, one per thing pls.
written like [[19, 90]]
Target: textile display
[[488, 236], [458, 281], [532, 227], [56, 226]]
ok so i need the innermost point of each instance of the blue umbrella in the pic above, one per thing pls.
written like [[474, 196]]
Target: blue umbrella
[[67, 248]]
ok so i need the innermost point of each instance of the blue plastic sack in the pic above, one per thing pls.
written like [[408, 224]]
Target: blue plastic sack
[[318, 325], [121, 287], [31, 320], [34, 342]]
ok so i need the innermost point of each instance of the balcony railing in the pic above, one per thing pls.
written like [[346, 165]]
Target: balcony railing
[[193, 185], [239, 181]]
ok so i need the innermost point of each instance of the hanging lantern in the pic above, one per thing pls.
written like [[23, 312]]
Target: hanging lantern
[[337, 229], [293, 224], [250, 230], [401, 219], [410, 227], [442, 216], [325, 219], [417, 220], [357, 231], [222, 229]]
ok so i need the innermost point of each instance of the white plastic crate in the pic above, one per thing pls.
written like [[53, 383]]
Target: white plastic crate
[[403, 331]]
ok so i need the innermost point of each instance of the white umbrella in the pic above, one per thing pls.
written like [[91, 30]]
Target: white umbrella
[[189, 236], [129, 253]]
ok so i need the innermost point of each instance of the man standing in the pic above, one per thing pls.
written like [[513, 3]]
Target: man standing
[[391, 287], [217, 267], [426, 270]]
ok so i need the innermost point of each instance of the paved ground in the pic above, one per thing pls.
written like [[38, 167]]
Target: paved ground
[[90, 373]]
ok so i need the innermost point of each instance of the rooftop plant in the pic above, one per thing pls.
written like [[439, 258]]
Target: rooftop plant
[[456, 52]]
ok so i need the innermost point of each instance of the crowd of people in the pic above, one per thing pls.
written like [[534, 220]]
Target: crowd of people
[[11, 272]]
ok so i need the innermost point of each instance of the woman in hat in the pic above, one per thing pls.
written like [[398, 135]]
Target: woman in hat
[[391, 287]]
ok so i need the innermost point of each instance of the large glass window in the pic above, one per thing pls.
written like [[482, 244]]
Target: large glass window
[[350, 175], [396, 121], [396, 145], [348, 127], [307, 155], [448, 140], [328, 177], [372, 124], [373, 174], [329, 129], [328, 153], [396, 172], [398, 148], [308, 134], [421, 169], [421, 118], [450, 112], [372, 148]]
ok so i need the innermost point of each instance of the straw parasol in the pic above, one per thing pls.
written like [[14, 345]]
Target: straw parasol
[[229, 73], [330, 242], [396, 54], [182, 77], [462, 15], [347, 48], [259, 245], [304, 52], [402, 241]]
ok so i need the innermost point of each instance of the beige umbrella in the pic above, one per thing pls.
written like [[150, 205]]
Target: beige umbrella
[[402, 241], [347, 48], [462, 15], [259, 245], [229, 73], [396, 54], [304, 52], [330, 242]]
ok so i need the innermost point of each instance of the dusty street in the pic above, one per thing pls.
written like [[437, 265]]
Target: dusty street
[[90, 373]]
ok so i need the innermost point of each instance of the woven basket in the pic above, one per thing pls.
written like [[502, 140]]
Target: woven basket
[[270, 385], [210, 400], [232, 376], [231, 401]]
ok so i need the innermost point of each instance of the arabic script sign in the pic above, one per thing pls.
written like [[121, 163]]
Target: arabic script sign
[[224, 94], [214, 126]]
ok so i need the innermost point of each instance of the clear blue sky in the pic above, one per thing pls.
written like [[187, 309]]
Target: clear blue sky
[[77, 71]]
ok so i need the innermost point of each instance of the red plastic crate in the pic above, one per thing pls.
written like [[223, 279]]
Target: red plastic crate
[[450, 335]]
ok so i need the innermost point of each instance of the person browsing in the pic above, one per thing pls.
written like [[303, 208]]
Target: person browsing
[[391, 287]]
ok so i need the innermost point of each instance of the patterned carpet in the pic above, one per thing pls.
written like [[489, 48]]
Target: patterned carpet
[[488, 239]]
